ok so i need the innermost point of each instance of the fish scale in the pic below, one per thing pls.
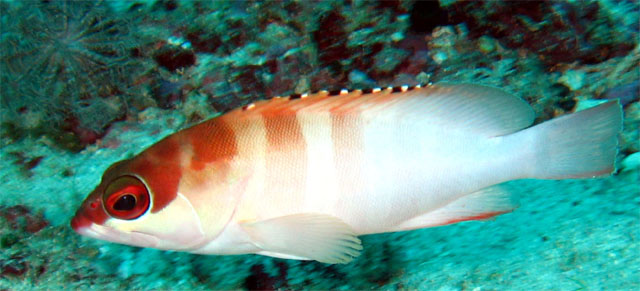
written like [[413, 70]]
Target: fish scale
[[302, 177]]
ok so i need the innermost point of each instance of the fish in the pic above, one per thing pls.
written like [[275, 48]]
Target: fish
[[303, 177]]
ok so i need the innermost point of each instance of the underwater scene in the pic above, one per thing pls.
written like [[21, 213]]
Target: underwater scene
[[319, 145]]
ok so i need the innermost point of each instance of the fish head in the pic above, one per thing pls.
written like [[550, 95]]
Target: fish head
[[131, 207]]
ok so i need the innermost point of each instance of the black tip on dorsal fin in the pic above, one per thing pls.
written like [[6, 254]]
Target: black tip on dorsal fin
[[334, 92], [396, 89], [295, 96], [337, 92], [248, 106]]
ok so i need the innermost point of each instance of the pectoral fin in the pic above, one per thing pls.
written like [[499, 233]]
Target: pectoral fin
[[319, 237]]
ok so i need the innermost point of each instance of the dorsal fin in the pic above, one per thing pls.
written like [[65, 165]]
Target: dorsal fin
[[323, 100], [478, 108]]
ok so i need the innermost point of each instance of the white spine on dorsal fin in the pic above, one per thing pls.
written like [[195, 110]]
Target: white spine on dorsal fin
[[305, 95], [375, 90], [344, 92], [404, 88]]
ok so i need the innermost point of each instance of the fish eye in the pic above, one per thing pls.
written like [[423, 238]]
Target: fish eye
[[125, 202], [126, 198]]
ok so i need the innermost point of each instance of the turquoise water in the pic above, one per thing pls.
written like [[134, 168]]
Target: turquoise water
[[85, 84]]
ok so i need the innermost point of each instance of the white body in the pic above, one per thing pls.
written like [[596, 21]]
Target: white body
[[302, 178]]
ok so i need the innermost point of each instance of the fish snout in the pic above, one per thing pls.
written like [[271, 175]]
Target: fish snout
[[79, 222], [91, 212]]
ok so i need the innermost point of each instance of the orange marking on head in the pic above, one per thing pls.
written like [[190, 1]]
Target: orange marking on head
[[159, 167]]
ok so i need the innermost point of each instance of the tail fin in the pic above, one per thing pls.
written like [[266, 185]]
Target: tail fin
[[579, 145]]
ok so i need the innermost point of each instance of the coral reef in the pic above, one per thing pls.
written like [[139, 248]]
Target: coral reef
[[66, 67], [558, 32]]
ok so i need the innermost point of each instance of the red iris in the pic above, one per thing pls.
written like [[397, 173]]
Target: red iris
[[126, 198]]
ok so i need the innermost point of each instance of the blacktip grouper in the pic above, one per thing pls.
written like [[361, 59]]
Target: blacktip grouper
[[303, 177]]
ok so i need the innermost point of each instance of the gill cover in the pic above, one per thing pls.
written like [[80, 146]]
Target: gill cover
[[120, 211]]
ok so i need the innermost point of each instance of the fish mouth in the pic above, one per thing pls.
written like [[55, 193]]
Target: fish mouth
[[80, 222], [85, 227]]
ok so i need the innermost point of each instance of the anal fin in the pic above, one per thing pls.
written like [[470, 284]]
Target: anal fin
[[319, 237], [483, 204]]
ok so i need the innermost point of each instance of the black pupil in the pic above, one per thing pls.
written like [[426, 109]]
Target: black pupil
[[124, 203]]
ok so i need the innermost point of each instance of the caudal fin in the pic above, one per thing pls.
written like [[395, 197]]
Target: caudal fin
[[579, 145]]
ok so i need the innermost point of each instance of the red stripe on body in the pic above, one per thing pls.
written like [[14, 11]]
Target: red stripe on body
[[347, 134], [283, 133], [286, 159]]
